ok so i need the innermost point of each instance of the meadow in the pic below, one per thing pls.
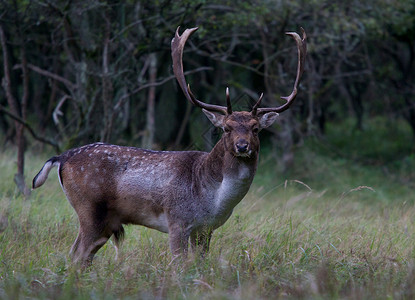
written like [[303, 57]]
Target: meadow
[[338, 224]]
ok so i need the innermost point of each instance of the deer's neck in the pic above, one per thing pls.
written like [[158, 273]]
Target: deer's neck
[[226, 177]]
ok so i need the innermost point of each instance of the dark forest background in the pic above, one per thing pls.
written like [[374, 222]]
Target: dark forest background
[[75, 72]]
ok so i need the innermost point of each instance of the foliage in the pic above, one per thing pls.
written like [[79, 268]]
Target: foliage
[[89, 62]]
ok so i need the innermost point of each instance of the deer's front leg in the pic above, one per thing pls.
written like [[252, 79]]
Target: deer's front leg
[[179, 239]]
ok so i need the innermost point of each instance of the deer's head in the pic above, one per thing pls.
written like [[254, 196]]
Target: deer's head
[[240, 128]]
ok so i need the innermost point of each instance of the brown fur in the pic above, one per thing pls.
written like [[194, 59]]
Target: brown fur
[[186, 194]]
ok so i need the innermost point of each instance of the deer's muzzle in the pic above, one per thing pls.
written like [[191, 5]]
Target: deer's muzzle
[[242, 148]]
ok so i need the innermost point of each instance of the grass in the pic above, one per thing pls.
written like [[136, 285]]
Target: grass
[[338, 225]]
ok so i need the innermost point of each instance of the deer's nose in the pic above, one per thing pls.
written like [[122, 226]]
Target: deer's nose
[[242, 146]]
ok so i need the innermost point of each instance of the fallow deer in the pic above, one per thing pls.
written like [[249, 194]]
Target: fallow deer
[[186, 194]]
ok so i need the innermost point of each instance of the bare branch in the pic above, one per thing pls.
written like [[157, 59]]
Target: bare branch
[[29, 128], [157, 83], [46, 73], [57, 111]]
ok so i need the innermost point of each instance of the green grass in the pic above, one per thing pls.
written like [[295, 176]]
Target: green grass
[[336, 225]]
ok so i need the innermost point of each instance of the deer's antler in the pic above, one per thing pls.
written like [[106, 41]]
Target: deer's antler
[[177, 45], [302, 52]]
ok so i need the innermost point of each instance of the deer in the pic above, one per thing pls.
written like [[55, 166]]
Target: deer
[[187, 194]]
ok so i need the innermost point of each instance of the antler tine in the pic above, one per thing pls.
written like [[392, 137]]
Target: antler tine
[[177, 45], [228, 102], [302, 52], [258, 103]]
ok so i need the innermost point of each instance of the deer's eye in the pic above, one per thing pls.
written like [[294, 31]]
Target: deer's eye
[[227, 129], [255, 130]]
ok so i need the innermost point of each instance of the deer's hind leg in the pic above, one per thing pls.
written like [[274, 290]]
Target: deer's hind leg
[[88, 242], [95, 228]]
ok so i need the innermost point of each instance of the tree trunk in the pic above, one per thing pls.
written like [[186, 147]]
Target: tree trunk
[[14, 107], [183, 124], [148, 139], [107, 89]]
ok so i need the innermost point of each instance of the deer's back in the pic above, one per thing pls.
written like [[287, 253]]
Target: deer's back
[[137, 185]]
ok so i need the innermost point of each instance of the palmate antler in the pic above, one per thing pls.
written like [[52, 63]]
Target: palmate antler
[[302, 52], [177, 45]]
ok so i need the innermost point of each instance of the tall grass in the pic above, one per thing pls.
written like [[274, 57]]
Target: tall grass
[[331, 227]]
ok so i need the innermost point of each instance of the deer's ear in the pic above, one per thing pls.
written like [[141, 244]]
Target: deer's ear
[[217, 119], [267, 119]]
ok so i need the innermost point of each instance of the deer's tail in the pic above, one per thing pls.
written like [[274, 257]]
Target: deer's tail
[[41, 177]]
